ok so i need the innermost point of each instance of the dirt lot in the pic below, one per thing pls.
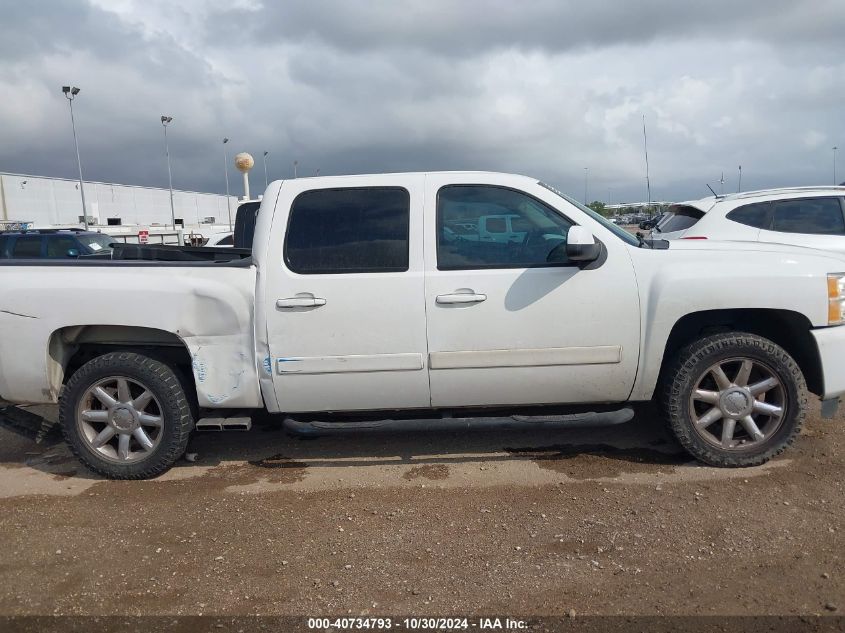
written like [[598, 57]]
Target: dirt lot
[[529, 520]]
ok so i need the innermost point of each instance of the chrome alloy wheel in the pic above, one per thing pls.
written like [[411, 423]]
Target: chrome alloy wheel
[[120, 419], [739, 412]]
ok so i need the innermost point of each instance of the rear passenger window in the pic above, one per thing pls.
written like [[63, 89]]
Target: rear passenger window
[[680, 219], [349, 231], [758, 215], [819, 216], [27, 246]]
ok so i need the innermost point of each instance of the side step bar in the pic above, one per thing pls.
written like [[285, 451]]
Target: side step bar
[[582, 420], [239, 423]]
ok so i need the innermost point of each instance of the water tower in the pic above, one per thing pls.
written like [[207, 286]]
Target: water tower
[[244, 162]]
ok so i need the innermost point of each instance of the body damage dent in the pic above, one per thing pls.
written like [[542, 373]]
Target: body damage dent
[[222, 371]]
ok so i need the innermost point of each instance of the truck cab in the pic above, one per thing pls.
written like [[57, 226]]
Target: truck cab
[[375, 305]]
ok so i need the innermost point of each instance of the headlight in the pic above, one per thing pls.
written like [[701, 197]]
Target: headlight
[[836, 298]]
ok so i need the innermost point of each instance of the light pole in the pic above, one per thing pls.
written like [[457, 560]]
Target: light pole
[[226, 174], [266, 182], [834, 164], [317, 173], [586, 171], [739, 182], [295, 164], [164, 122], [70, 92]]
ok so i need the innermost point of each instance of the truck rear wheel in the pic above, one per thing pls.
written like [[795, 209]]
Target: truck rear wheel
[[126, 416], [734, 399]]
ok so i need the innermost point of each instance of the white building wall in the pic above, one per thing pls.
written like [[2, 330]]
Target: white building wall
[[52, 201]]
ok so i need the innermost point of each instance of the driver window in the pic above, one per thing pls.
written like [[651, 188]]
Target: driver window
[[483, 226]]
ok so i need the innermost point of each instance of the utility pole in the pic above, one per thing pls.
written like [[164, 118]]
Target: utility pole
[[295, 165], [266, 182], [647, 179], [226, 174], [834, 164], [70, 92], [164, 121]]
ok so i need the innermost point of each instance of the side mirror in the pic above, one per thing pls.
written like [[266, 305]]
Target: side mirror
[[581, 246], [72, 252]]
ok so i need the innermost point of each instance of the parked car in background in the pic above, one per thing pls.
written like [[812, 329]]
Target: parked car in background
[[802, 216], [501, 228], [650, 223], [53, 244]]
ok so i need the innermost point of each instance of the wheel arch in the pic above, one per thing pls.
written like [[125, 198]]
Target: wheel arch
[[787, 328], [71, 347]]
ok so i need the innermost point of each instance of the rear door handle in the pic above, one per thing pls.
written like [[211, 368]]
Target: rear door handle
[[460, 297], [300, 302]]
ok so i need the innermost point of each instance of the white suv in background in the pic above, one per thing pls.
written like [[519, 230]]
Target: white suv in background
[[803, 216]]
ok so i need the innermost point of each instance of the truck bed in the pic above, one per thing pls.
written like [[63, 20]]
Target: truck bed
[[162, 253], [203, 309]]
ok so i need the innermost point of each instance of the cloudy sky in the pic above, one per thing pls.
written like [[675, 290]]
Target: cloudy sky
[[540, 87]]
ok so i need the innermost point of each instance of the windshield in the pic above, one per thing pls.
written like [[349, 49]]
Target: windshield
[[598, 217], [97, 242]]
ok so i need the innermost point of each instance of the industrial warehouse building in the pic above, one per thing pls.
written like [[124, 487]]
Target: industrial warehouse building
[[43, 202]]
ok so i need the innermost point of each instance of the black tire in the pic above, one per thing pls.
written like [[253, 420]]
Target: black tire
[[694, 360], [162, 382]]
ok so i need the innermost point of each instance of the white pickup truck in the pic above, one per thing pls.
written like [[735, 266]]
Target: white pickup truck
[[357, 297]]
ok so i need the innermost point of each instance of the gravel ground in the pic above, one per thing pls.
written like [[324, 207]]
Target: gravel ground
[[531, 520]]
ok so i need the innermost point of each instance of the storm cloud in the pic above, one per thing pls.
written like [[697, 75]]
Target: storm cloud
[[545, 88]]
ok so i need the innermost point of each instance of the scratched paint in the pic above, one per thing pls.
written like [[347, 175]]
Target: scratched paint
[[200, 369], [288, 360], [222, 373]]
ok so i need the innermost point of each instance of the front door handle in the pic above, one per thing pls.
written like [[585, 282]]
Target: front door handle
[[461, 297], [300, 302]]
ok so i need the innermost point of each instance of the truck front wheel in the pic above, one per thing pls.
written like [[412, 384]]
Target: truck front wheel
[[734, 399], [125, 416]]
